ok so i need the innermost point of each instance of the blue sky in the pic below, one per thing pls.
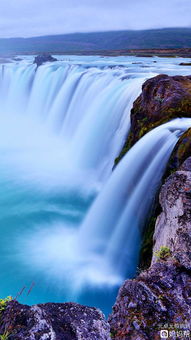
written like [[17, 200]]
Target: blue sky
[[40, 17]]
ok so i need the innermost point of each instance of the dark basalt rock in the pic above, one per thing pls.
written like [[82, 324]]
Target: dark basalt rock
[[53, 321], [180, 153], [162, 99], [185, 64], [161, 296], [43, 58]]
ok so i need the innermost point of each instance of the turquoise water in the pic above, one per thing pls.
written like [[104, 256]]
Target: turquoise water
[[27, 211], [61, 128]]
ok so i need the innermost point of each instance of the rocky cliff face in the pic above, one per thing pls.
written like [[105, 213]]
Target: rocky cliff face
[[53, 321], [161, 296], [180, 153], [173, 226], [162, 99]]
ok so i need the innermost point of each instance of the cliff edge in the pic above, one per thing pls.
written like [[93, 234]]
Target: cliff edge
[[160, 297]]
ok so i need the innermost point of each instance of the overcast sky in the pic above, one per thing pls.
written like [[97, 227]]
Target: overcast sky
[[27, 18]]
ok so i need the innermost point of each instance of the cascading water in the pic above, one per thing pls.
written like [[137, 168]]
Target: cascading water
[[71, 106], [105, 249], [118, 215], [61, 127]]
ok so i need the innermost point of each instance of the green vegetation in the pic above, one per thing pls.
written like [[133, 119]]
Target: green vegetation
[[4, 302], [5, 336], [3, 305], [180, 153], [163, 253], [112, 334]]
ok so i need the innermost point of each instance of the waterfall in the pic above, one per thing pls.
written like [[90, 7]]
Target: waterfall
[[113, 227], [67, 221], [104, 249], [84, 112], [61, 127]]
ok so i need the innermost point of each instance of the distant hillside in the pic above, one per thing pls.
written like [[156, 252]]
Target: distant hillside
[[86, 42]]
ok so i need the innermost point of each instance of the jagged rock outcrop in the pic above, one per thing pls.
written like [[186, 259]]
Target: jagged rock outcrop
[[161, 296], [43, 58], [162, 99], [53, 321], [173, 226], [180, 153]]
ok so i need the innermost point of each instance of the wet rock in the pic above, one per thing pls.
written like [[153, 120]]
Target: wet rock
[[185, 64], [162, 99], [160, 297], [180, 153], [43, 58], [53, 321]]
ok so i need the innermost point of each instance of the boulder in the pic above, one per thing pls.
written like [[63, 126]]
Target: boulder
[[43, 58], [53, 321]]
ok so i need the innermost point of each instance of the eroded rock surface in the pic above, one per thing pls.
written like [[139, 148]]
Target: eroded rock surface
[[53, 321], [162, 99], [161, 296], [173, 226], [180, 153]]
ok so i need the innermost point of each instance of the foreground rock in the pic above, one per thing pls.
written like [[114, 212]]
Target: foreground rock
[[40, 59], [53, 321], [160, 297], [162, 99]]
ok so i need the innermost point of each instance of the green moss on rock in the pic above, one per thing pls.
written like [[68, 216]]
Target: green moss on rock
[[147, 243], [181, 152], [163, 98]]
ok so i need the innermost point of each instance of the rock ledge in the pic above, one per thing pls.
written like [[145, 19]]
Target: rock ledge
[[53, 321]]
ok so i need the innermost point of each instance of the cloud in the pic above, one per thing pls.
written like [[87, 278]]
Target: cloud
[[40, 17]]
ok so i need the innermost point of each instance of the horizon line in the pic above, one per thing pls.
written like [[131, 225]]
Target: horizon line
[[93, 32]]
